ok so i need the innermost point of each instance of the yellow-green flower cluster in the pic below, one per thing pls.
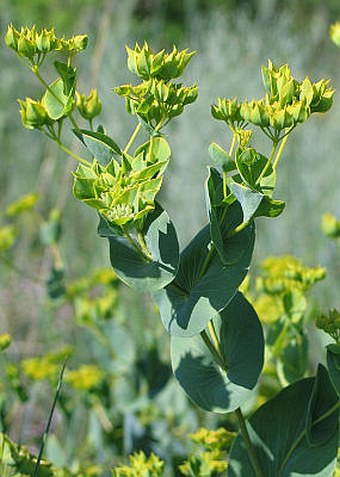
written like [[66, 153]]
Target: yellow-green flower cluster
[[212, 460], [213, 439], [45, 367], [89, 106], [141, 466], [31, 43], [334, 33], [85, 378], [24, 204], [287, 102], [124, 193], [8, 234], [287, 273], [157, 99], [330, 324], [330, 226], [162, 66]]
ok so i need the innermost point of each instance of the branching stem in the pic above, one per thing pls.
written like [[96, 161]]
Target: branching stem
[[73, 155]]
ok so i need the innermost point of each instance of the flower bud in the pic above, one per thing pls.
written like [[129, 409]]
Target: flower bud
[[80, 42], [46, 41], [26, 47], [33, 114], [12, 37], [89, 107]]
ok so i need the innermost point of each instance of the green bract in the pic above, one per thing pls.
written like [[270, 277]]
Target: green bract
[[124, 193]]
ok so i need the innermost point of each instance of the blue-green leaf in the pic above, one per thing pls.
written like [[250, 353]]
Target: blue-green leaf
[[249, 199], [323, 398], [278, 433], [242, 345], [221, 157], [102, 147]]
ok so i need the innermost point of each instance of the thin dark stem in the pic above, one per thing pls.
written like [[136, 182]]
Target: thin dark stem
[[37, 465], [250, 448]]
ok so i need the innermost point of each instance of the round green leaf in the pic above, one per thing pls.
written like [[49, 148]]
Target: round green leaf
[[192, 299], [162, 243], [242, 345], [278, 433]]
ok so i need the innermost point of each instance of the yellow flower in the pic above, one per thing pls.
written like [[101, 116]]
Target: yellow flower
[[85, 378]]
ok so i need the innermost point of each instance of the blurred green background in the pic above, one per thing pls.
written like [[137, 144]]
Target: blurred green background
[[232, 39]]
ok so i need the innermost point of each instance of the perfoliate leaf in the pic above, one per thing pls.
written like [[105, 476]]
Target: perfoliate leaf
[[162, 243], [278, 433], [56, 103], [196, 295], [242, 346]]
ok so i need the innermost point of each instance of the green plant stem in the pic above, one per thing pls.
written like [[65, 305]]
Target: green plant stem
[[102, 414], [279, 152], [214, 337], [250, 448], [73, 155], [238, 229], [218, 358], [143, 245], [136, 246], [303, 434], [133, 137], [41, 450], [264, 170], [231, 149]]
